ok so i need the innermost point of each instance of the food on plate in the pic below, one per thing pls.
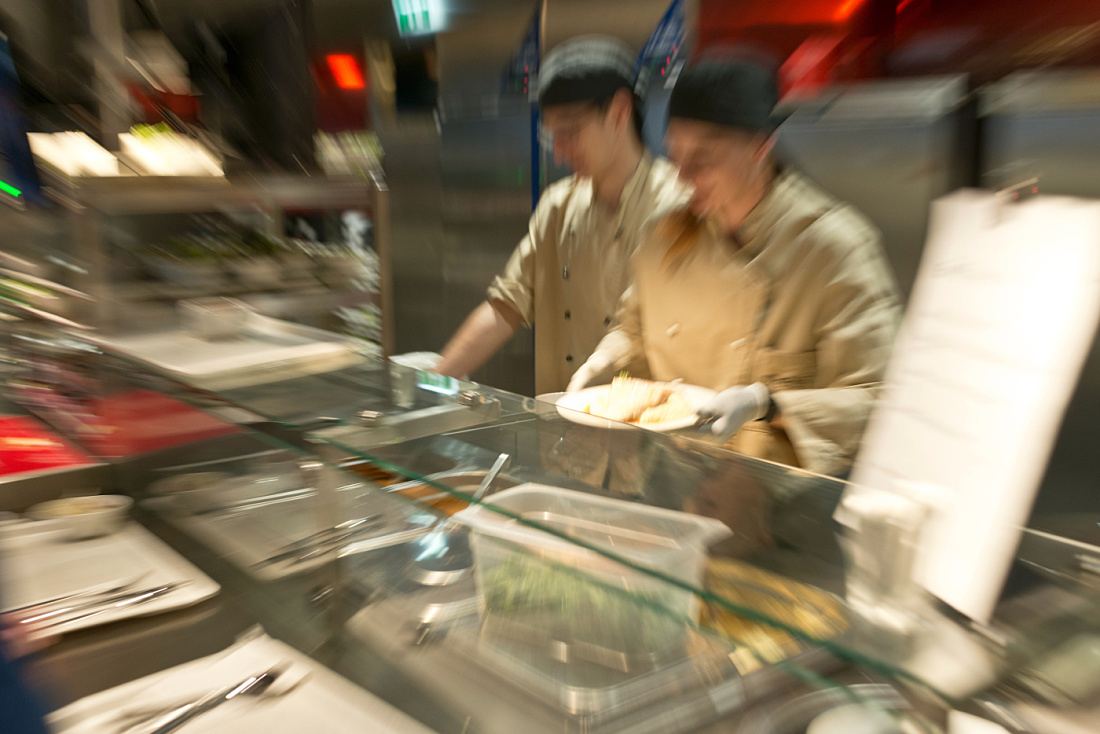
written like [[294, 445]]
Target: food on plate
[[810, 611], [638, 401], [85, 517], [672, 409], [77, 506]]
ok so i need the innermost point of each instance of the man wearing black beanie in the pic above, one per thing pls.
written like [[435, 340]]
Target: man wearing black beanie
[[566, 276], [764, 288]]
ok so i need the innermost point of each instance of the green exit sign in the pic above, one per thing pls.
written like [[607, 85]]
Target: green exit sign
[[416, 17]]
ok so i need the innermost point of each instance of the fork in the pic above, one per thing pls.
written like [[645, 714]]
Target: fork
[[129, 720], [97, 608], [253, 685], [90, 593]]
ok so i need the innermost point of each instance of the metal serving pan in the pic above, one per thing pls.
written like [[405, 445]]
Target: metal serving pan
[[267, 350]]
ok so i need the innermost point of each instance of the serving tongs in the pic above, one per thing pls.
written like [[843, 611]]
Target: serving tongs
[[322, 541]]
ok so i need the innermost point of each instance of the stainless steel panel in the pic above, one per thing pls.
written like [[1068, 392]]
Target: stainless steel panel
[[1047, 125], [889, 149], [460, 196]]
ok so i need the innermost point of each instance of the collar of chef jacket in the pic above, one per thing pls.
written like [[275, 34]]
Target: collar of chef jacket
[[764, 231], [587, 192]]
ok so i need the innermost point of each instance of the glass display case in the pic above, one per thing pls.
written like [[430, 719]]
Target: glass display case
[[311, 250], [487, 562]]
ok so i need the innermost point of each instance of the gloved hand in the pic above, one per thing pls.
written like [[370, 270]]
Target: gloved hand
[[734, 407], [598, 367]]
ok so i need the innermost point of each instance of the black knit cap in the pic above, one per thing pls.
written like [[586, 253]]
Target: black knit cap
[[739, 94], [586, 69]]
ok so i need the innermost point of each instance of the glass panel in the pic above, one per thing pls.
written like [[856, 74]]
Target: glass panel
[[463, 626], [773, 587], [782, 569], [398, 403]]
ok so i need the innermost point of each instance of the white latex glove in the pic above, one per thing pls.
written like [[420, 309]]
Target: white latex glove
[[598, 367], [426, 361], [734, 407]]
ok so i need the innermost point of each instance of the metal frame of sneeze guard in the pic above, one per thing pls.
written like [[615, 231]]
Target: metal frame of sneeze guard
[[375, 428], [436, 419]]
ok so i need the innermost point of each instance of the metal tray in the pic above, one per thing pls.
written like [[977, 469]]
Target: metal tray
[[599, 685], [268, 350], [248, 533], [678, 690]]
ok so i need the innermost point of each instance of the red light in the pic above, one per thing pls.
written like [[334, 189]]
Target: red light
[[846, 9], [1034, 189], [346, 71], [903, 5], [662, 71]]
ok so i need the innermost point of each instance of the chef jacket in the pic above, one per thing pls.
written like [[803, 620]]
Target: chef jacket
[[806, 305], [566, 276]]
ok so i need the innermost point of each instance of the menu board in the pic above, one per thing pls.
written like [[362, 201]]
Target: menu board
[[1001, 318]]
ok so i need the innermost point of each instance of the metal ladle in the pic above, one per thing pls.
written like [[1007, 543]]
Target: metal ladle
[[502, 461], [449, 563]]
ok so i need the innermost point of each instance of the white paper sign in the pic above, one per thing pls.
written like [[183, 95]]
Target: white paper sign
[[1000, 322]]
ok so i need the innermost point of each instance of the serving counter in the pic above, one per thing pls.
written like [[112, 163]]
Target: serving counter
[[607, 579]]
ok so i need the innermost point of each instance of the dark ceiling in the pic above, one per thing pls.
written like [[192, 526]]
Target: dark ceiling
[[335, 23]]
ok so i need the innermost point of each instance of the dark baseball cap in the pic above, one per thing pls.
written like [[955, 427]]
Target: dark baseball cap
[[738, 94], [586, 69]]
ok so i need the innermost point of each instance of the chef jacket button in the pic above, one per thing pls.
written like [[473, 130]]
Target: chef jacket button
[[569, 358], [568, 315], [673, 330], [607, 321]]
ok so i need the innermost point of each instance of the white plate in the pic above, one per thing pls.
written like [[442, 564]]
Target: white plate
[[572, 407], [313, 697], [38, 568]]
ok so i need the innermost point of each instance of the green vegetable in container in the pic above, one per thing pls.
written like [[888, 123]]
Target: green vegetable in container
[[573, 608]]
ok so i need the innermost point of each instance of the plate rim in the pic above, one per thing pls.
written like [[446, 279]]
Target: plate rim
[[587, 419]]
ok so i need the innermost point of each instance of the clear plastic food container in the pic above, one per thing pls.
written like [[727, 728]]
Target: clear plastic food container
[[509, 552]]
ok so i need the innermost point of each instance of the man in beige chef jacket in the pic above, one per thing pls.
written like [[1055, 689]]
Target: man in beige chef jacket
[[566, 276], [765, 288]]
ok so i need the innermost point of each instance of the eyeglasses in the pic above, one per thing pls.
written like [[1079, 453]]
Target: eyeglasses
[[698, 161], [567, 131]]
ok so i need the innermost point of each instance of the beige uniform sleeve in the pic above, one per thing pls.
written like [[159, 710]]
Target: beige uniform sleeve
[[857, 324], [515, 286]]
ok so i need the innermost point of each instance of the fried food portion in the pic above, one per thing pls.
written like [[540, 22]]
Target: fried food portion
[[673, 408], [634, 400], [812, 612]]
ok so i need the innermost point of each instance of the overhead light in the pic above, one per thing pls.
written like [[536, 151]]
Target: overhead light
[[346, 71], [418, 17]]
